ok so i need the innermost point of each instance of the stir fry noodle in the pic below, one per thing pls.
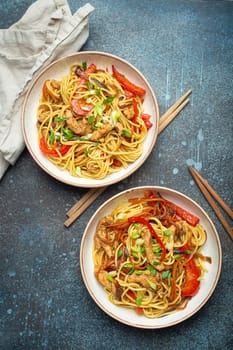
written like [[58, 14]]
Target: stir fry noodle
[[92, 122], [147, 257]]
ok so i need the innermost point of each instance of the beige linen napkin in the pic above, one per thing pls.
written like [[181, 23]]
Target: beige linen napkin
[[46, 32]]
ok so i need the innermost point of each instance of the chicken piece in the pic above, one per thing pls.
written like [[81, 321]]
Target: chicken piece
[[129, 111], [172, 228], [161, 267], [177, 232], [42, 113], [148, 246], [78, 126], [151, 258], [119, 128], [101, 132], [101, 237], [102, 277], [144, 280]]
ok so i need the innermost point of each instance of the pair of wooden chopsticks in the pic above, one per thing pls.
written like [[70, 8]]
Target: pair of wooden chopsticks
[[92, 194], [209, 193]]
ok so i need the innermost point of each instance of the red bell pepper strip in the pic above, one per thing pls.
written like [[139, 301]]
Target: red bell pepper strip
[[55, 151], [146, 118], [192, 273], [126, 84], [90, 69], [184, 214], [116, 162], [134, 219], [191, 284]]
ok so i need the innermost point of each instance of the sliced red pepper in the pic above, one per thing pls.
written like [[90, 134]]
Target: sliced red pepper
[[90, 69], [80, 107], [134, 219], [126, 84], [191, 284], [117, 162], [192, 273], [184, 214], [139, 310], [146, 118], [55, 151], [64, 149], [132, 294]]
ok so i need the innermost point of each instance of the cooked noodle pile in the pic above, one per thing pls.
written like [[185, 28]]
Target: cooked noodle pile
[[147, 257], [92, 122]]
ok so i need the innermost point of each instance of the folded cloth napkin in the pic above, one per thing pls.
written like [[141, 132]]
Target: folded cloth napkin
[[46, 32]]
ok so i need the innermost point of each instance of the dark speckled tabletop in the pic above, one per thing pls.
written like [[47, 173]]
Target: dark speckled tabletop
[[177, 45]]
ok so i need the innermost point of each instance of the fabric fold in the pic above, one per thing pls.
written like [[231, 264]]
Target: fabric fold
[[46, 32]]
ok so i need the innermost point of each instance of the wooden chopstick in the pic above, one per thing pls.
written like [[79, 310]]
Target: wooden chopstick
[[83, 204], [173, 111], [221, 202], [208, 193], [92, 194]]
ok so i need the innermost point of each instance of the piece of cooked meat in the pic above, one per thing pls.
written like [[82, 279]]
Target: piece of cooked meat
[[101, 236], [144, 280], [146, 235], [102, 277], [101, 132], [128, 111], [78, 126]]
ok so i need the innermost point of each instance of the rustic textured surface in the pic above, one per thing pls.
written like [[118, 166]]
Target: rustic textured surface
[[43, 302]]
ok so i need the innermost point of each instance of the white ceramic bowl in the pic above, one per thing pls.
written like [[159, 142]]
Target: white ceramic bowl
[[211, 248], [57, 70]]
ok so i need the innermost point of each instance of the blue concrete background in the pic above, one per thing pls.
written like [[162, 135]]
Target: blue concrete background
[[177, 44]]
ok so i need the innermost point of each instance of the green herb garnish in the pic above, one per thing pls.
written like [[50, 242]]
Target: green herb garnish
[[167, 274], [135, 235], [126, 133], [90, 119], [138, 301], [84, 65], [52, 138], [167, 232], [60, 119], [119, 253], [68, 134], [152, 284], [108, 100], [98, 110]]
